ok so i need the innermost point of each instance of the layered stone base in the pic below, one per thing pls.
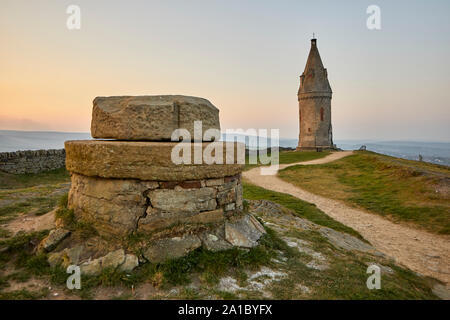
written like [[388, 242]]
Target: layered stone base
[[118, 207]]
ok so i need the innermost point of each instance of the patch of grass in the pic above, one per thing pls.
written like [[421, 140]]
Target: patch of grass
[[347, 278], [213, 265], [4, 233], [45, 204], [20, 250], [9, 212], [189, 294], [346, 275], [66, 215], [13, 181], [23, 241], [19, 276], [4, 282], [108, 278], [401, 190], [301, 208]]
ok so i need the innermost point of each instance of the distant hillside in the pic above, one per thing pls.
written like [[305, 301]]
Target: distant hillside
[[434, 152]]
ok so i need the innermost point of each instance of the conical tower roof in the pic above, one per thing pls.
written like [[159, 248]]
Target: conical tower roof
[[315, 77]]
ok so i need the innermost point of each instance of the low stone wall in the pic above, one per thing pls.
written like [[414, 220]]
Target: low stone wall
[[32, 161]]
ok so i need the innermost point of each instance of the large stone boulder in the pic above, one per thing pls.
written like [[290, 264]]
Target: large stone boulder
[[112, 261], [150, 117], [146, 160], [145, 194], [244, 232]]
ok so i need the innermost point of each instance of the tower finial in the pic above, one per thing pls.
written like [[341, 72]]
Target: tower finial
[[314, 36]]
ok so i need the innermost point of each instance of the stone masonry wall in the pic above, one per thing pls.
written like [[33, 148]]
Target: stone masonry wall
[[32, 161], [121, 206]]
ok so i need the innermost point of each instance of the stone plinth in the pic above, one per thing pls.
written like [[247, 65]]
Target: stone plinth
[[128, 186], [145, 160], [150, 117], [119, 207]]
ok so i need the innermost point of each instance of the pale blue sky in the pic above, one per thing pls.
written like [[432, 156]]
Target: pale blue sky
[[244, 56]]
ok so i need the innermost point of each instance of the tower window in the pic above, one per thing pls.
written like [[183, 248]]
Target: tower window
[[309, 129], [321, 114]]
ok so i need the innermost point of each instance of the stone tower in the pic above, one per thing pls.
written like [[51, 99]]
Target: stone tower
[[314, 100]]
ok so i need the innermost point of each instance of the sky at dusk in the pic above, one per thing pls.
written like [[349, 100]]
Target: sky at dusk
[[244, 56]]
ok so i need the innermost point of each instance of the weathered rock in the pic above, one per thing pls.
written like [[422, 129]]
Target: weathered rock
[[384, 269], [283, 217], [206, 217], [91, 267], [171, 248], [53, 239], [239, 197], [73, 254], [65, 257], [113, 259], [215, 240], [256, 281], [131, 262], [244, 232], [150, 117], [345, 241], [190, 200], [144, 161], [226, 196], [442, 291], [214, 182]]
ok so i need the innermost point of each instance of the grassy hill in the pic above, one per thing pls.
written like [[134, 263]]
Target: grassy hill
[[401, 190], [295, 260]]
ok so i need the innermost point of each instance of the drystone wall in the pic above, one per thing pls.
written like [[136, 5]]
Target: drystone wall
[[32, 161]]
